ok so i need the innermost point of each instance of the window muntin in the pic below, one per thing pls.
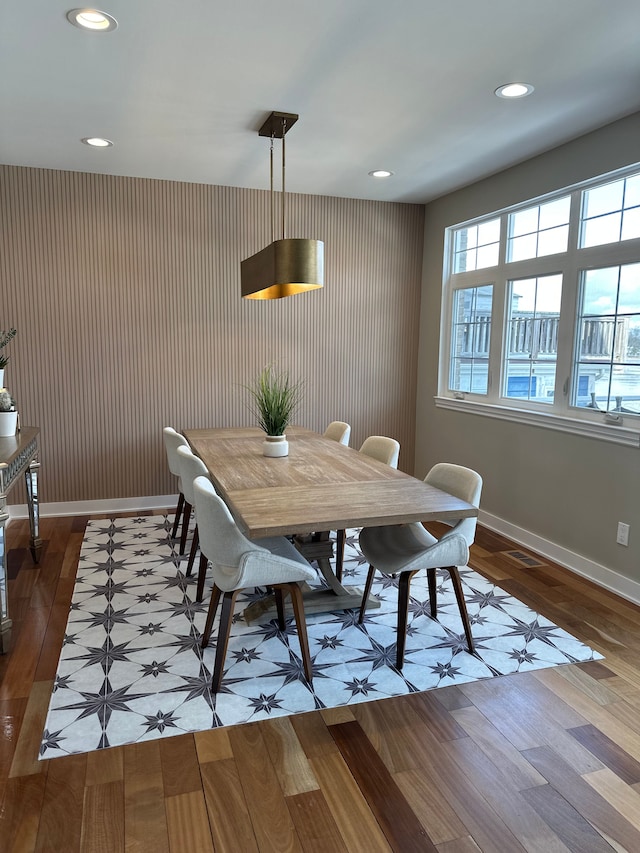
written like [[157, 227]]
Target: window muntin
[[611, 213], [607, 365], [476, 246], [532, 338], [470, 339], [540, 230]]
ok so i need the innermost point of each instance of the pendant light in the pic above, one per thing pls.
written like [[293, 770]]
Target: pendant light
[[289, 265]]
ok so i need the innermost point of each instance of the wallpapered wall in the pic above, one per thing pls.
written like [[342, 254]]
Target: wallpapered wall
[[126, 296]]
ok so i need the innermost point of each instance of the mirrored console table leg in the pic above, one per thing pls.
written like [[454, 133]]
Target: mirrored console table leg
[[31, 480], [5, 621], [18, 455]]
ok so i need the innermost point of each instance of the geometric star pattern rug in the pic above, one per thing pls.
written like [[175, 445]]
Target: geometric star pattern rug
[[132, 668]]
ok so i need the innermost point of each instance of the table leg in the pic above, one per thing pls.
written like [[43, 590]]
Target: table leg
[[5, 621], [319, 547], [33, 503], [316, 548]]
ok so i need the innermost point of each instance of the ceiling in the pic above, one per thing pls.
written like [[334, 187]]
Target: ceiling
[[182, 86]]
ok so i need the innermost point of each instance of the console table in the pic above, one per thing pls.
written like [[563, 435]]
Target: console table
[[18, 455]]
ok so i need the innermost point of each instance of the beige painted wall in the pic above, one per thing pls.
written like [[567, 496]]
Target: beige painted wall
[[569, 490], [126, 297]]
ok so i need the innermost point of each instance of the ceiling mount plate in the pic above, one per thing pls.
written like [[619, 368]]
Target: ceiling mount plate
[[278, 124]]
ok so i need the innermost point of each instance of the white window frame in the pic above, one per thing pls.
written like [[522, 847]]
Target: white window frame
[[559, 415]]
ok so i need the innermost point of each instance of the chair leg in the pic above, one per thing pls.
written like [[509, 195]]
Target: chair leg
[[176, 520], [185, 526], [366, 593], [279, 596], [202, 574], [211, 615], [301, 625], [404, 583], [433, 601], [193, 551], [341, 536], [226, 618], [462, 605]]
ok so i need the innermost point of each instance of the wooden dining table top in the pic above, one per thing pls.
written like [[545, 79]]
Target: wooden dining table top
[[320, 485]]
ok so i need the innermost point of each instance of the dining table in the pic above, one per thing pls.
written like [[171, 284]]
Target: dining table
[[319, 487]]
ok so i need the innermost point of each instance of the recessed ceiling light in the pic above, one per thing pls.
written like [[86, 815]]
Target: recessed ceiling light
[[381, 173], [97, 142], [92, 19], [514, 90]]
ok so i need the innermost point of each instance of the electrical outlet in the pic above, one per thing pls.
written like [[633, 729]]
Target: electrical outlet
[[623, 534]]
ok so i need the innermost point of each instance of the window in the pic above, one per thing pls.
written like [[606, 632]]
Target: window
[[470, 339], [540, 230], [542, 316], [476, 247], [611, 213], [532, 338], [608, 357]]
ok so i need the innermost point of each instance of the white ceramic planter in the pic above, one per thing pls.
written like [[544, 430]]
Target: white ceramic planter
[[8, 423], [275, 445]]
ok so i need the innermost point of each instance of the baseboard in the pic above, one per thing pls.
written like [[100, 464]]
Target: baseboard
[[115, 505], [600, 575]]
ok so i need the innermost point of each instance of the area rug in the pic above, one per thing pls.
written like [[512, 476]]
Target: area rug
[[132, 669]]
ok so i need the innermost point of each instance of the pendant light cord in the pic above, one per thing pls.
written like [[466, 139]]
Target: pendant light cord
[[273, 202], [271, 174], [284, 132]]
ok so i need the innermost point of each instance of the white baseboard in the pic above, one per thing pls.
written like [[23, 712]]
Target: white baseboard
[[600, 575], [115, 505]]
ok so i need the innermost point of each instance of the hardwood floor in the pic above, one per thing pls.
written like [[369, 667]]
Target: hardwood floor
[[543, 761]]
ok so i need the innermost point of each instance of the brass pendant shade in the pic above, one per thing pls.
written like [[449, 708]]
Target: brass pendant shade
[[283, 268], [289, 265]]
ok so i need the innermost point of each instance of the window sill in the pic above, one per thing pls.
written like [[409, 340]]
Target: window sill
[[589, 429]]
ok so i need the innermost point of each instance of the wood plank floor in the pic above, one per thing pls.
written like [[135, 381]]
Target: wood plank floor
[[544, 761]]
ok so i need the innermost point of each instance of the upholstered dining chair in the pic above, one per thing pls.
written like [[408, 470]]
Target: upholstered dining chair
[[191, 466], [237, 564], [172, 441], [338, 431], [404, 549], [385, 450]]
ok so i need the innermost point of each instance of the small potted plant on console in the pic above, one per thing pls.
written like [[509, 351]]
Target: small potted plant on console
[[8, 414]]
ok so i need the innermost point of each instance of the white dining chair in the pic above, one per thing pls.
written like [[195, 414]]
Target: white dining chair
[[384, 449], [338, 431], [191, 466], [172, 441], [403, 549], [238, 563]]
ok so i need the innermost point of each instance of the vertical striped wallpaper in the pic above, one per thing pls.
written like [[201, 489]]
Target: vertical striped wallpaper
[[126, 296]]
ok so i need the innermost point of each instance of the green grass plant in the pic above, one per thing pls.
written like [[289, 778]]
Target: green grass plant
[[274, 399]]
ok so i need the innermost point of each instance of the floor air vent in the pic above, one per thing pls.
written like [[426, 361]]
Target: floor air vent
[[523, 559]]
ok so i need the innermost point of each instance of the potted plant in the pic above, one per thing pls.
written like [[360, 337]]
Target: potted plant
[[274, 399], [5, 337], [8, 414]]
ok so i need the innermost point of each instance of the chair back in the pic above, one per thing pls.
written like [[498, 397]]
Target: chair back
[[220, 539], [463, 483], [237, 562], [191, 466], [382, 448], [338, 431], [172, 441]]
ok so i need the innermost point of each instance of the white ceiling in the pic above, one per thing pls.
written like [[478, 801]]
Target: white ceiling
[[182, 86]]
